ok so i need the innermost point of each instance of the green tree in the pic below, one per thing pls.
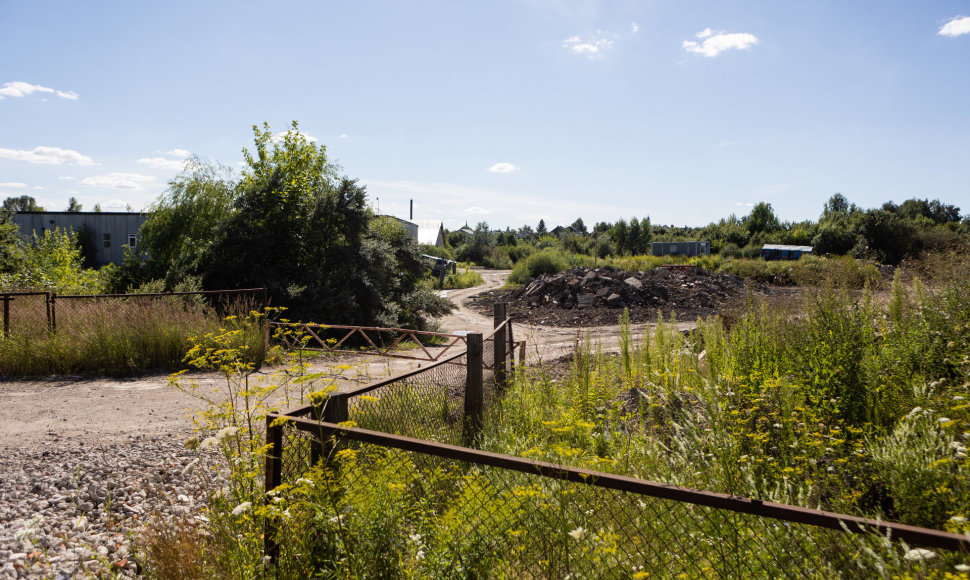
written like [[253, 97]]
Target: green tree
[[10, 250], [21, 203], [621, 236], [887, 235], [762, 219], [182, 223], [580, 226], [73, 206], [541, 228]]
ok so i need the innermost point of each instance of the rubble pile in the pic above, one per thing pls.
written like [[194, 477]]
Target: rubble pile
[[587, 296]]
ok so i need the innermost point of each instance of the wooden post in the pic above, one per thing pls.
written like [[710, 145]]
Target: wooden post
[[500, 358], [274, 478], [474, 395]]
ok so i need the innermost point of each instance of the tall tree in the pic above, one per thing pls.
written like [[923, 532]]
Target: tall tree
[[762, 219], [73, 206], [541, 228], [21, 203]]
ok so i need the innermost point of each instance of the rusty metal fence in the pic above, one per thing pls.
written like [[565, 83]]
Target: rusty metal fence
[[408, 493], [411, 506], [36, 313]]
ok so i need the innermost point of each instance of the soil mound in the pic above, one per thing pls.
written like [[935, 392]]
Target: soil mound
[[596, 297]]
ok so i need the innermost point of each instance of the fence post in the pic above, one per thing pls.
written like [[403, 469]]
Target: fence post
[[500, 353], [52, 312], [332, 409], [274, 478], [6, 315], [474, 394]]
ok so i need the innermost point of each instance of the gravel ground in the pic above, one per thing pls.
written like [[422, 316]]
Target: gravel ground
[[70, 508]]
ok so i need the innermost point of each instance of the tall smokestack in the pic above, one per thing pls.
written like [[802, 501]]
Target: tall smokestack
[[412, 210]]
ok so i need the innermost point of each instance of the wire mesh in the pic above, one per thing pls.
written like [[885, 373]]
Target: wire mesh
[[406, 513], [427, 405], [25, 315]]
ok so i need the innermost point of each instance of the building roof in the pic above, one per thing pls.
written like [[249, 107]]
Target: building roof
[[784, 247], [428, 231]]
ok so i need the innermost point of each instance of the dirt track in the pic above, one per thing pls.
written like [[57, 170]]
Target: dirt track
[[102, 410]]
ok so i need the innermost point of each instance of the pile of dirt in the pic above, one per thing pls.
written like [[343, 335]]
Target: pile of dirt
[[596, 297]]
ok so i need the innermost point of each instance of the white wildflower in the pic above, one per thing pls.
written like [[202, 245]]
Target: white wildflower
[[958, 519], [958, 397], [208, 444], [226, 432], [919, 555], [416, 538], [578, 533], [419, 555], [190, 467], [962, 568], [943, 420], [914, 412], [27, 535], [305, 481], [777, 425], [241, 509]]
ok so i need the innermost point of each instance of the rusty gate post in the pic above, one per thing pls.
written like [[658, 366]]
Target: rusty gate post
[[274, 478], [474, 395], [52, 312], [332, 409], [6, 315], [500, 358]]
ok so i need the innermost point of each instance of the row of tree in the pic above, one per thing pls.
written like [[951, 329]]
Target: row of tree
[[887, 234]]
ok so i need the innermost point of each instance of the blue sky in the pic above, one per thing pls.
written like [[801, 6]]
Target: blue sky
[[503, 111]]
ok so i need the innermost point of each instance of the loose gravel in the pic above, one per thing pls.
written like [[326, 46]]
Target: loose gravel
[[70, 508]]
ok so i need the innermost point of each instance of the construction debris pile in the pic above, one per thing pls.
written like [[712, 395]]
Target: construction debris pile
[[587, 296]]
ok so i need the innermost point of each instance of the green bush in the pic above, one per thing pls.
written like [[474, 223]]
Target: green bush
[[549, 261]]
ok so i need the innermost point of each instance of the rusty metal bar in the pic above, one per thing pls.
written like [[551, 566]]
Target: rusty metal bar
[[6, 314], [163, 294], [823, 519], [274, 478]]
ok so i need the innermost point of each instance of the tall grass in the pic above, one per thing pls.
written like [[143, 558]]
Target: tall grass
[[115, 337], [846, 404]]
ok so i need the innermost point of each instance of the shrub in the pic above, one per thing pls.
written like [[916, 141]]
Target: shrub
[[549, 261]]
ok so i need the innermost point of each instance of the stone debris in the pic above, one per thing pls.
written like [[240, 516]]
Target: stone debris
[[587, 296], [71, 510]]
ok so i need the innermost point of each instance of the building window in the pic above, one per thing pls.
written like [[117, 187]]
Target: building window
[[107, 240], [132, 240]]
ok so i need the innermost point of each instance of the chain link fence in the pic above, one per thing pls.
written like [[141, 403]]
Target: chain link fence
[[404, 499], [413, 507]]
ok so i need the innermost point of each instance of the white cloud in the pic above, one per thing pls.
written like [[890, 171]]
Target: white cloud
[[475, 210], [714, 43], [957, 26], [162, 163], [343, 135], [743, 204], [591, 47], [67, 178], [12, 185], [116, 180], [503, 167], [278, 138], [115, 205], [47, 156], [21, 89], [635, 27], [183, 153], [38, 187]]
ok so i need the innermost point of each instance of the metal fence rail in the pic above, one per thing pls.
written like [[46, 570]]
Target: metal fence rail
[[390, 342], [504, 516]]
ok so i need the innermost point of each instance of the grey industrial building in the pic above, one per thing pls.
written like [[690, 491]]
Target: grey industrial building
[[689, 249], [107, 232], [783, 252]]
